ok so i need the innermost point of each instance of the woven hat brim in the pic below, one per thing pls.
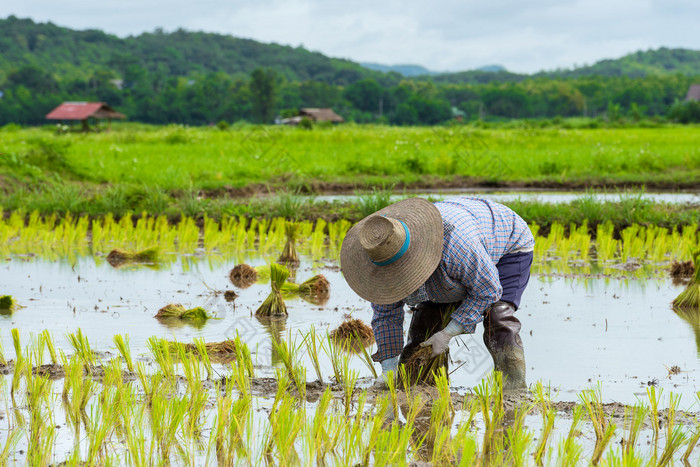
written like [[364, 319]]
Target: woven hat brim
[[388, 284]]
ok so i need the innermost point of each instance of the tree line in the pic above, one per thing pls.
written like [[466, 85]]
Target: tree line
[[207, 98]]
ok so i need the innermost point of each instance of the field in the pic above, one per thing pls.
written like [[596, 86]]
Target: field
[[91, 377]]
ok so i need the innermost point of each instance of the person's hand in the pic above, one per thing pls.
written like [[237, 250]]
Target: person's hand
[[440, 341], [390, 364]]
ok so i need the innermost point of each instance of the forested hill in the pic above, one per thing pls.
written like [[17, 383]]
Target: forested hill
[[660, 62], [70, 54]]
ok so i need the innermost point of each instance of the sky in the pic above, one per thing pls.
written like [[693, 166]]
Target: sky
[[441, 35]]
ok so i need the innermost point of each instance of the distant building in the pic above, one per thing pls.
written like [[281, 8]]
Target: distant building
[[321, 115], [693, 93], [82, 111]]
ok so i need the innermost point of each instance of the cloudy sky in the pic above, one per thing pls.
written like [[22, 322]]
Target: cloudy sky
[[442, 35]]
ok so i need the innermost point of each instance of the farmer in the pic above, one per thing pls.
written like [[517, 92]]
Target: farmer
[[455, 262]]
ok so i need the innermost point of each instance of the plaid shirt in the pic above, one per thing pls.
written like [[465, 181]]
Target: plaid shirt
[[478, 232]]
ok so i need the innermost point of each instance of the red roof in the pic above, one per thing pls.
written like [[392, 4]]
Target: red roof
[[83, 110]]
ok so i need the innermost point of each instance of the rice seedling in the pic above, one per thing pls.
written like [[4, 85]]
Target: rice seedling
[[333, 353], [203, 352], [289, 255], [12, 438], [175, 311], [312, 346], [160, 349], [544, 402], [81, 346], [675, 434], [489, 396], [274, 303], [3, 360], [122, 344], [637, 415], [690, 297], [603, 428], [654, 400], [229, 432], [286, 423], [288, 353], [518, 438], [349, 378], [166, 417], [48, 340]]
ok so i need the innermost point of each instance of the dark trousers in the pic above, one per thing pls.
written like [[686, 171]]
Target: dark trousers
[[429, 318]]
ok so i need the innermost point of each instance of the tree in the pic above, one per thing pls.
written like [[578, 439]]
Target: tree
[[263, 91]]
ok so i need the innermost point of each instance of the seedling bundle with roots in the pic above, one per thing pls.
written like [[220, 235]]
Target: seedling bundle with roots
[[7, 302], [682, 269], [222, 351], [421, 367], [119, 257], [244, 275], [689, 299], [316, 289], [353, 333], [177, 311], [289, 254], [274, 303]]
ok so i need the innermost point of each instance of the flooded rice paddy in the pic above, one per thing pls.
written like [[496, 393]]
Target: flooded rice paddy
[[586, 324]]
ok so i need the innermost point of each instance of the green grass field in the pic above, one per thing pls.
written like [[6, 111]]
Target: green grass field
[[177, 157]]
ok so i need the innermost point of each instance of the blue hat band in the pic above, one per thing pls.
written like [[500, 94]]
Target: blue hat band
[[399, 253]]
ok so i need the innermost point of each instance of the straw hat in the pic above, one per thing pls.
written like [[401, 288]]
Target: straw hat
[[389, 254]]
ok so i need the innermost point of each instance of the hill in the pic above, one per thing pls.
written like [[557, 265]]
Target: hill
[[404, 70], [71, 54]]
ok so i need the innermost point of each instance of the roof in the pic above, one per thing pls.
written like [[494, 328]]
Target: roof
[[693, 93], [83, 110], [322, 115]]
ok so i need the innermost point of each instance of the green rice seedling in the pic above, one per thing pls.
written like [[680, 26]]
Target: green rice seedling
[[204, 356], [274, 303], [289, 254], [3, 360], [349, 380], [366, 358], [48, 340], [150, 383], [392, 386], [17, 345], [548, 414], [689, 298], [637, 417], [243, 357], [122, 344], [654, 400], [288, 353], [12, 438], [161, 353], [232, 419], [674, 441], [376, 427], [81, 346], [318, 238], [42, 438], [102, 422], [604, 430], [286, 423], [489, 394], [312, 346], [320, 431], [518, 437], [167, 415], [692, 443], [175, 311]]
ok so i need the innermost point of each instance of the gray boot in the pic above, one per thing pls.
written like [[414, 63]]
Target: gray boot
[[502, 339]]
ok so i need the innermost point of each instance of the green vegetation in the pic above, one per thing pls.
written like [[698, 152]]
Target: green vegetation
[[199, 78]]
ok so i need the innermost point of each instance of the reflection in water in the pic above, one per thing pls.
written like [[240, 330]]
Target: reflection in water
[[274, 326], [692, 317]]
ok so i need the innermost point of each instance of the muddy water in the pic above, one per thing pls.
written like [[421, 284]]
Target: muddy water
[[575, 331]]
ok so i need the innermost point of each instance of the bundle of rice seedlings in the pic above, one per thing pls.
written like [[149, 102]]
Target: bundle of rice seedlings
[[118, 257], [243, 275], [421, 368], [689, 299], [177, 311], [316, 289], [289, 254], [7, 302], [224, 347], [274, 303], [353, 333]]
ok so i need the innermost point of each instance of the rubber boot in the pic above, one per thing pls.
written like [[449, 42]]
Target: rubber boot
[[428, 318], [502, 339]]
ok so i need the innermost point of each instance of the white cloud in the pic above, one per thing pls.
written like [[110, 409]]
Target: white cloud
[[441, 35]]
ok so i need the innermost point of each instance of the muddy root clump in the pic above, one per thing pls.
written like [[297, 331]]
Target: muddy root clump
[[230, 295], [682, 269], [118, 257], [274, 303], [352, 333], [243, 276], [421, 367], [316, 290]]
